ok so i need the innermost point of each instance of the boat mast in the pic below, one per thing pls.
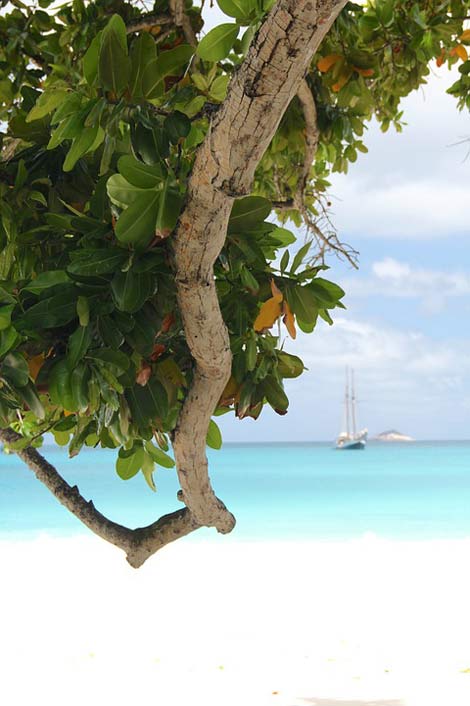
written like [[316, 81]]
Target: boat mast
[[346, 401], [353, 404]]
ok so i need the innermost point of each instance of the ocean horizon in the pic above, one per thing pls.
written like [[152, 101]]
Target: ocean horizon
[[278, 491]]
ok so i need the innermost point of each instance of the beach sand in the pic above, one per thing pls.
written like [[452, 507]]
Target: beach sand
[[367, 622]]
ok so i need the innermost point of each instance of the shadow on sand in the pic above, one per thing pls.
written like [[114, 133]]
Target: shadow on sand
[[353, 702]]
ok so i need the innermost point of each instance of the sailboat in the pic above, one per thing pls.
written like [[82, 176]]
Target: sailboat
[[351, 439]]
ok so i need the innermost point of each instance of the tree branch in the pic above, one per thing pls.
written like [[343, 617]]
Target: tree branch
[[182, 20], [138, 544], [257, 98], [312, 136], [326, 240], [147, 22]]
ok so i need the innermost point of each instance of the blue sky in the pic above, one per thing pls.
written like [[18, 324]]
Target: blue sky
[[406, 207]]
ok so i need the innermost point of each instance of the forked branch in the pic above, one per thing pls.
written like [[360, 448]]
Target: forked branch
[[138, 544]]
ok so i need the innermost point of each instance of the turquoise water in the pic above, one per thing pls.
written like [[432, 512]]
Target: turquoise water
[[276, 491]]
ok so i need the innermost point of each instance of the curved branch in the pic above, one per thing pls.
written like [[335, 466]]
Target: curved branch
[[312, 135], [257, 98], [138, 544]]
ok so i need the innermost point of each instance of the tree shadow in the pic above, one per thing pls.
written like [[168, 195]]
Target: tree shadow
[[352, 702]]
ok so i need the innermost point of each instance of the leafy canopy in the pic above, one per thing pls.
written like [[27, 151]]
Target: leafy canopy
[[103, 110]]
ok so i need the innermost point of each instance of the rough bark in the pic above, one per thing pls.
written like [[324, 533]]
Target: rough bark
[[224, 168]]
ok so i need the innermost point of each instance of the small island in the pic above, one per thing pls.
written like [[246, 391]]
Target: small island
[[392, 435]]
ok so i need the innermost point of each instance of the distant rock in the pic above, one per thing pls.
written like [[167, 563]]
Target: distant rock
[[393, 435]]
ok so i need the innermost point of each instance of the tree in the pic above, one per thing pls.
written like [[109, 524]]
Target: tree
[[143, 165]]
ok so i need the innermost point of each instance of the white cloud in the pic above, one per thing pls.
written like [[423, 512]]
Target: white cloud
[[400, 279], [393, 278], [379, 349], [413, 184], [421, 209]]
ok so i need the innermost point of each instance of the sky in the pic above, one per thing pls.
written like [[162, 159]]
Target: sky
[[406, 207]]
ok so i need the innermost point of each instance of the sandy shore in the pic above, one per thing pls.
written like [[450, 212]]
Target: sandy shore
[[360, 623]]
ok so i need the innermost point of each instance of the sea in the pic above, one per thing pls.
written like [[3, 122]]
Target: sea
[[277, 491]]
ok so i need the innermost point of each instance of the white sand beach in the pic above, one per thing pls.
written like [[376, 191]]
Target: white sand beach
[[360, 623]]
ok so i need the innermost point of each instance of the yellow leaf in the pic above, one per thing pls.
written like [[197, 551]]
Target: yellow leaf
[[459, 51], [35, 364], [277, 294], [289, 320], [441, 58], [268, 315], [465, 36], [327, 62]]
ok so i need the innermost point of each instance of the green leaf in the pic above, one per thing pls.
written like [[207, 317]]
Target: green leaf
[[128, 463], [303, 303], [79, 342], [323, 313], [289, 366], [169, 208], [152, 145], [274, 394], [121, 192], [136, 226], [284, 261], [247, 213], [214, 437], [143, 52], [113, 63], [60, 387], [107, 355], [148, 468], [46, 103], [91, 60], [15, 369], [251, 351], [91, 263], [88, 138], [217, 43], [326, 291], [147, 403], [5, 316], [177, 126], [240, 9], [54, 311], [299, 256], [69, 106], [168, 63], [68, 129], [141, 175], [159, 456], [283, 236], [130, 291], [8, 338], [83, 311], [31, 399]]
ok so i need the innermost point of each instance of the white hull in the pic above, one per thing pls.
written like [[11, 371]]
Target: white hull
[[351, 443], [347, 440]]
